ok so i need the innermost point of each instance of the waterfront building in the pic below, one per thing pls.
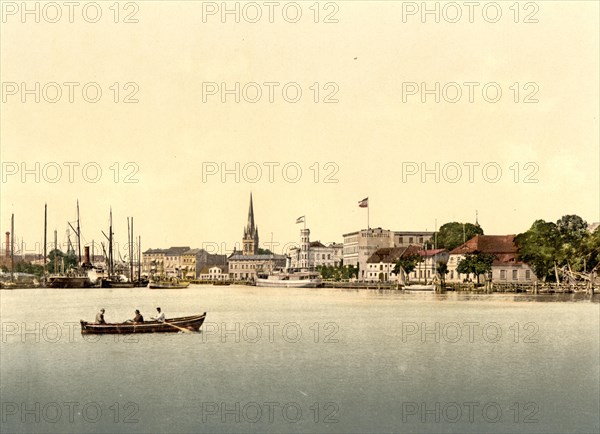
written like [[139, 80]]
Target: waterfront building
[[360, 245], [179, 261], [245, 265], [380, 265], [506, 268], [426, 270], [310, 255], [215, 272]]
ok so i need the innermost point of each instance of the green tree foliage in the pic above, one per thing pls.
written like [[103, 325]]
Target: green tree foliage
[[476, 263], [548, 247], [538, 247], [407, 263], [28, 267], [451, 235], [338, 273], [442, 269], [70, 261]]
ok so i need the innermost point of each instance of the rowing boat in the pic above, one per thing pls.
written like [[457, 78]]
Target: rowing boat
[[171, 325]]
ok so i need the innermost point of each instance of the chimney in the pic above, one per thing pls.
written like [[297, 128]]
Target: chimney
[[86, 255], [7, 244]]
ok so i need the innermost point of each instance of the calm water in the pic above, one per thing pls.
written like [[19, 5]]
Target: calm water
[[310, 360]]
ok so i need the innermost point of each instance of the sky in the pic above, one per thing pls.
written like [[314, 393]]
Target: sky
[[173, 113]]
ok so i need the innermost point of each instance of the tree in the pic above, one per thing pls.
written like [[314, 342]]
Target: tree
[[538, 247], [476, 263], [29, 268], [70, 260], [548, 247], [451, 235], [407, 263], [264, 251], [442, 269], [573, 238]]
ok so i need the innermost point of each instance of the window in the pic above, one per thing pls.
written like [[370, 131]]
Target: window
[[503, 274], [527, 274], [515, 274], [380, 266], [410, 240]]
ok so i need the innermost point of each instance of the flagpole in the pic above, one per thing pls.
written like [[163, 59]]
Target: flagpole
[[368, 225]]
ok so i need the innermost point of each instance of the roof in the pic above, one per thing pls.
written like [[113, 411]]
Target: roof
[[240, 257], [174, 251], [502, 246], [389, 255], [431, 252], [316, 244], [192, 252], [495, 244], [151, 251]]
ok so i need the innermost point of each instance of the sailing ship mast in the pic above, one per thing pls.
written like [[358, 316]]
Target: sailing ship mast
[[12, 247], [139, 258], [45, 242]]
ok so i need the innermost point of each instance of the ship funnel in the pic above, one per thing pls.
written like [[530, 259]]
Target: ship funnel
[[86, 255]]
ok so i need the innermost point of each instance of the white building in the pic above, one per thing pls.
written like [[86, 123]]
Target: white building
[[310, 255], [360, 245], [215, 273], [506, 268]]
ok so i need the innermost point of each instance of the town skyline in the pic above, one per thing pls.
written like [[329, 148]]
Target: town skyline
[[225, 245]]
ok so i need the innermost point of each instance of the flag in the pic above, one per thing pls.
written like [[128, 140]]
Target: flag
[[300, 219], [364, 203]]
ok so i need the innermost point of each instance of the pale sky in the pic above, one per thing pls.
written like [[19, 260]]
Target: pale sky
[[367, 140]]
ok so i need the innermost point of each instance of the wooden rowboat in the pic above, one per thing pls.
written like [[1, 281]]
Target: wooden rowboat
[[171, 325]]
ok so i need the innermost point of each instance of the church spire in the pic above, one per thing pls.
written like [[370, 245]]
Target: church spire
[[250, 225], [250, 232]]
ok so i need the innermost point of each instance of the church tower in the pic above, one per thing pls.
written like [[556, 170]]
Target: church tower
[[250, 233]]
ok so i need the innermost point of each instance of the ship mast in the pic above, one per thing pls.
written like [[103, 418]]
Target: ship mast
[[78, 236], [45, 241], [12, 247]]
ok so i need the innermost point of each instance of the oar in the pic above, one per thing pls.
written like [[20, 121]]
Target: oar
[[177, 327]]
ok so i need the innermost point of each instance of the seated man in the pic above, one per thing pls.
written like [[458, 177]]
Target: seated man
[[100, 317], [138, 317], [160, 317]]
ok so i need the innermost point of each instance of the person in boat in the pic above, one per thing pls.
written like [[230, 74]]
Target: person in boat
[[137, 318], [100, 317], [160, 317]]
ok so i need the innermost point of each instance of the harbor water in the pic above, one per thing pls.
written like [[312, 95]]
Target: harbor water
[[301, 360]]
